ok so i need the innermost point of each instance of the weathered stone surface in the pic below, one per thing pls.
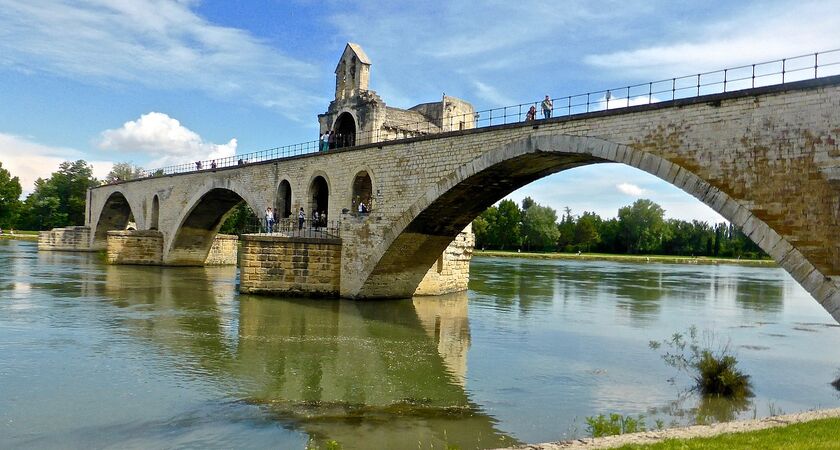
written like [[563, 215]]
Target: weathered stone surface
[[280, 265], [763, 157], [66, 239]]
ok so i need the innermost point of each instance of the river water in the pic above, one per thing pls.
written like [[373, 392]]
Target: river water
[[93, 355]]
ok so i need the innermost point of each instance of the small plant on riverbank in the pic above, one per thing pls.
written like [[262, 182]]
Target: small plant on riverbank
[[713, 366], [601, 425]]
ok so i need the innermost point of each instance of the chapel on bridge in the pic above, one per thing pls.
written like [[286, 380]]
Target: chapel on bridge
[[359, 116]]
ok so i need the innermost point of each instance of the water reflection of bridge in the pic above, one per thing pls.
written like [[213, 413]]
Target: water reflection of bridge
[[356, 372]]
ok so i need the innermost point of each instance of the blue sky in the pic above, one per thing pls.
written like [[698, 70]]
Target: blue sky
[[156, 82]]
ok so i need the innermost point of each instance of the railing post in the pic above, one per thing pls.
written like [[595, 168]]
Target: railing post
[[724, 80], [650, 92], [783, 71], [628, 96], [570, 106], [816, 64], [673, 88], [698, 84], [587, 102], [753, 75]]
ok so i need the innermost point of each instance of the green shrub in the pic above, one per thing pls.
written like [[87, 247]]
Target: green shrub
[[600, 425], [714, 371]]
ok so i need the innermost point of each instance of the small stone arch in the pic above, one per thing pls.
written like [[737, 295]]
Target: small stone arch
[[345, 130], [362, 190], [283, 204], [318, 198], [154, 217], [115, 215]]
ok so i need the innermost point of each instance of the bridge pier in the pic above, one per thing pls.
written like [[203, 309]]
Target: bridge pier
[[288, 265], [145, 247]]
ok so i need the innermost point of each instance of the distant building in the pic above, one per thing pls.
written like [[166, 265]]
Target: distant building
[[359, 116]]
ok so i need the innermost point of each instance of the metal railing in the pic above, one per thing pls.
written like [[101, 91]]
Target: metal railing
[[781, 71], [293, 227]]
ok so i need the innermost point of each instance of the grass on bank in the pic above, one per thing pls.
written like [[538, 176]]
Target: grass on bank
[[23, 235], [816, 434], [670, 259]]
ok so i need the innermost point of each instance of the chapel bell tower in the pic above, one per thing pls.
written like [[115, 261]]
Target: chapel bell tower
[[352, 75]]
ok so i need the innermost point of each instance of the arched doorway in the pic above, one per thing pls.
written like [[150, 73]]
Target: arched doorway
[[153, 222], [345, 130], [284, 200], [362, 191], [319, 197]]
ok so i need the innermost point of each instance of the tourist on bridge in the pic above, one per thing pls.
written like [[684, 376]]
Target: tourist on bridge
[[325, 141], [531, 114], [198, 165], [213, 164], [331, 140], [301, 218], [547, 106], [269, 220]]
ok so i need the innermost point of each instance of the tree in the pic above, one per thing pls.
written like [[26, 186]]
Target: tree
[[240, 221], [586, 231], [539, 227], [508, 225], [527, 202], [642, 226], [10, 191], [60, 200], [123, 171]]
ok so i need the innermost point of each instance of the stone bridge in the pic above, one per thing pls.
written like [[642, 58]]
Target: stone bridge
[[766, 159]]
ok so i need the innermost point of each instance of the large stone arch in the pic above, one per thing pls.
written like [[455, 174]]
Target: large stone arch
[[114, 215], [191, 240], [407, 250]]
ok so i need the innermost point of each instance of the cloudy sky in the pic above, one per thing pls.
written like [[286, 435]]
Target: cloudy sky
[[157, 82]]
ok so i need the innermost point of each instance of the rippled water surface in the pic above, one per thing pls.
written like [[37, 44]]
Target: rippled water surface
[[93, 355]]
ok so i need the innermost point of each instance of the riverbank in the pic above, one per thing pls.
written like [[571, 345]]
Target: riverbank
[[20, 235], [665, 259], [806, 430]]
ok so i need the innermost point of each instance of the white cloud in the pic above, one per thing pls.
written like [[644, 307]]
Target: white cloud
[[491, 94], [770, 32], [630, 189], [30, 160], [164, 139], [160, 44]]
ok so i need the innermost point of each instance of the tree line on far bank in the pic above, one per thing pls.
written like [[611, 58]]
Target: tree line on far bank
[[640, 228]]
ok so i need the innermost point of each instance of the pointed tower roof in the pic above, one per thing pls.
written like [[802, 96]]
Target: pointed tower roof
[[354, 49]]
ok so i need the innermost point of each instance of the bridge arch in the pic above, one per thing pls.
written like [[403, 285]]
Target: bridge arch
[[361, 189], [283, 203], [114, 215], [407, 252], [191, 241], [345, 130], [318, 194], [154, 217]]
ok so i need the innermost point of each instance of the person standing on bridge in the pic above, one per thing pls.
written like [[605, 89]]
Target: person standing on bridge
[[269, 220], [331, 140], [531, 114], [547, 107], [301, 218], [325, 141]]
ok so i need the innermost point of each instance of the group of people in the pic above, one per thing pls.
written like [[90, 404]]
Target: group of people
[[547, 107], [319, 219], [331, 140]]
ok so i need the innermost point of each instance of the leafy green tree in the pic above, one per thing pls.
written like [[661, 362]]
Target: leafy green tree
[[586, 231], [240, 221], [566, 231], [480, 227], [60, 200], [10, 191], [508, 225], [527, 202], [642, 226], [123, 171], [539, 227]]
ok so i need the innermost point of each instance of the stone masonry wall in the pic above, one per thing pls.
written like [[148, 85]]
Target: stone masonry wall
[[223, 252], [281, 265], [767, 159], [135, 247], [68, 239], [451, 272]]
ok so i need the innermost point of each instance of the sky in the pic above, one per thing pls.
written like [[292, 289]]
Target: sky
[[158, 82]]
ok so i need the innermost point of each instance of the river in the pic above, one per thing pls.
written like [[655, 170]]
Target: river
[[93, 355]]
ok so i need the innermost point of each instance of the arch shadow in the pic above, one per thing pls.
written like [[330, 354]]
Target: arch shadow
[[115, 215], [199, 226]]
